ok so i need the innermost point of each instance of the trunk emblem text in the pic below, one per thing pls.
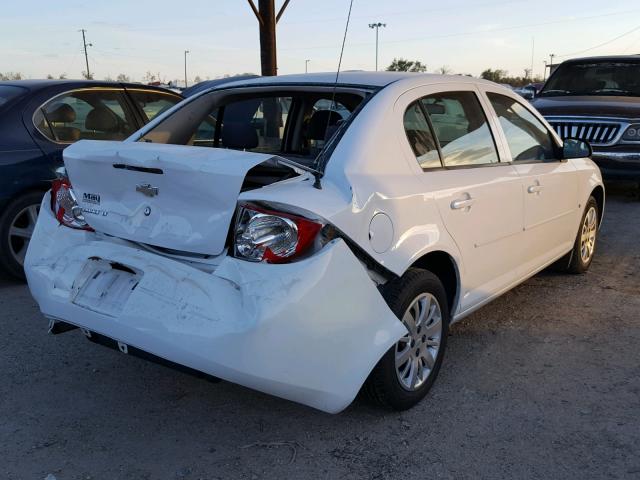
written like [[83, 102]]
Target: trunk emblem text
[[91, 198], [147, 189]]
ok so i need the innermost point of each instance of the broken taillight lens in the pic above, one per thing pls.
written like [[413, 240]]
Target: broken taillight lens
[[64, 204], [274, 237]]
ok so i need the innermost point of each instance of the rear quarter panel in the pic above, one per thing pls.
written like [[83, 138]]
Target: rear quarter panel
[[373, 170], [23, 165]]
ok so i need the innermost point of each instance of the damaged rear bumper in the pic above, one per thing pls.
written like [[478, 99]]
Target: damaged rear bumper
[[309, 331]]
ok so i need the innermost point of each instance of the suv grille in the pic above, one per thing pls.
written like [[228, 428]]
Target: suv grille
[[594, 132]]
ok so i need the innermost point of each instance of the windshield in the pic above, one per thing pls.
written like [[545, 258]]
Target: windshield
[[595, 78], [9, 92], [294, 124]]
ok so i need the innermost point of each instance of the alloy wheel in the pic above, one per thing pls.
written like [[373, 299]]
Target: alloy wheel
[[588, 235], [417, 351], [21, 230]]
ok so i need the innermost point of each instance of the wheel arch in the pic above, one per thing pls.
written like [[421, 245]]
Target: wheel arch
[[445, 267], [27, 190], [598, 194]]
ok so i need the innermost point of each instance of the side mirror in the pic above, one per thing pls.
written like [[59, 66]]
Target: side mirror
[[574, 148]]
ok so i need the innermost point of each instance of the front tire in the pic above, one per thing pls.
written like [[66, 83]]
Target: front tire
[[407, 371], [16, 227], [584, 247]]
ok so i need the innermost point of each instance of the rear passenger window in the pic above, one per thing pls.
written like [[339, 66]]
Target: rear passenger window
[[461, 127], [98, 114], [153, 103], [527, 136], [420, 137]]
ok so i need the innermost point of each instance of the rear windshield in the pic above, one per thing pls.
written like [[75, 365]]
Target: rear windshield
[[9, 92], [293, 124], [595, 78]]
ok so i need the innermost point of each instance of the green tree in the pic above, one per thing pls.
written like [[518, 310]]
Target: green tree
[[502, 76], [494, 75], [404, 65]]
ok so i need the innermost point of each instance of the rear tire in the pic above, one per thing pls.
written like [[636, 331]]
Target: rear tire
[[16, 227], [584, 247], [407, 371]]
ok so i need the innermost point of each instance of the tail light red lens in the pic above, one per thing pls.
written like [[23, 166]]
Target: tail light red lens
[[274, 237], [64, 205]]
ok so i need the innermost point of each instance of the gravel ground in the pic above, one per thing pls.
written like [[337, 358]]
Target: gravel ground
[[542, 383]]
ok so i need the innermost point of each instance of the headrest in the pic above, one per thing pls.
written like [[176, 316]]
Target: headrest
[[434, 108], [101, 119], [420, 141], [66, 134], [239, 135], [319, 122], [61, 112]]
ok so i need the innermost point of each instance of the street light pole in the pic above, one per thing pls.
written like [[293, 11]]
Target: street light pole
[[377, 27], [306, 66], [185, 68]]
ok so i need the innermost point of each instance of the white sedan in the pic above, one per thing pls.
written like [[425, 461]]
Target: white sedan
[[311, 239]]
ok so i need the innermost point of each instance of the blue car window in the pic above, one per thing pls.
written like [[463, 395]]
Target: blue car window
[[93, 114]]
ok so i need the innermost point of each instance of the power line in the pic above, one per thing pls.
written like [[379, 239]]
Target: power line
[[601, 44], [410, 12], [489, 30]]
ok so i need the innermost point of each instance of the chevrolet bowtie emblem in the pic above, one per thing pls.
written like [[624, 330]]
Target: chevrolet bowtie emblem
[[147, 189]]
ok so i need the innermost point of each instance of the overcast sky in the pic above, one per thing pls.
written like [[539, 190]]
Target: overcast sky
[[40, 37]]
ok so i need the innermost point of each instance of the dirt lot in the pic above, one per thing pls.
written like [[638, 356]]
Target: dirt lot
[[542, 383]]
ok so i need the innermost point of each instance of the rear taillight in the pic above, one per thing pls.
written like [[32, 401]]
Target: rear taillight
[[64, 204], [274, 237]]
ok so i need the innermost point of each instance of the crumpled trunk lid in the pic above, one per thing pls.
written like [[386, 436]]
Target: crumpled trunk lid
[[171, 196]]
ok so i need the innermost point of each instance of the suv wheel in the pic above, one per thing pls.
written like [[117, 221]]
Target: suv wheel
[[406, 372], [16, 228]]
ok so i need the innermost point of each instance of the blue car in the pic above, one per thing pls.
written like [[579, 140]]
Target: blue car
[[38, 119]]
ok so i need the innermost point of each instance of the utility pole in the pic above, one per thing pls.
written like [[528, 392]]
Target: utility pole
[[377, 27], [306, 65], [268, 19], [86, 57], [185, 68]]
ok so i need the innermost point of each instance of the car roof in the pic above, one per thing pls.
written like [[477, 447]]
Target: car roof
[[35, 85], [207, 84], [356, 78]]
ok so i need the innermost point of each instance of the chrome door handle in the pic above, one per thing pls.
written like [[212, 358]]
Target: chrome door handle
[[534, 188], [462, 203]]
